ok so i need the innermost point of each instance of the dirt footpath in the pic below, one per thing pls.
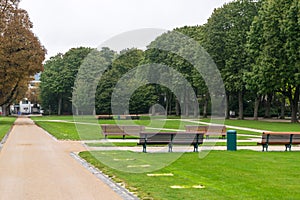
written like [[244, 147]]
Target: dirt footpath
[[34, 166]]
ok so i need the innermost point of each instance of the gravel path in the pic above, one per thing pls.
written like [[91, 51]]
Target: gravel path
[[34, 166]]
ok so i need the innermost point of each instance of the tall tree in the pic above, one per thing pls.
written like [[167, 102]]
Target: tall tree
[[277, 56], [21, 54], [127, 60], [57, 80], [225, 40]]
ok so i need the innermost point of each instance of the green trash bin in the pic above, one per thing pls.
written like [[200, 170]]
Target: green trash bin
[[231, 140]]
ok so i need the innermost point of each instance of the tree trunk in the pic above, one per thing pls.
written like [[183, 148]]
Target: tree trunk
[[256, 107], [186, 105], [4, 110], [59, 105], [167, 104], [177, 108], [282, 108], [294, 105], [241, 106], [196, 109], [227, 116], [268, 106], [170, 104], [205, 107]]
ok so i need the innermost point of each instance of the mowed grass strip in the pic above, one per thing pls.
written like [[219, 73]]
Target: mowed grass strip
[[70, 131], [5, 125], [263, 125], [223, 175]]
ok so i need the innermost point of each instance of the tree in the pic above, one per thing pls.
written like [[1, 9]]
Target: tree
[[225, 40], [57, 80], [276, 60], [21, 54], [127, 60]]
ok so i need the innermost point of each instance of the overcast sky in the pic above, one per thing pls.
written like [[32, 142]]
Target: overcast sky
[[64, 24]]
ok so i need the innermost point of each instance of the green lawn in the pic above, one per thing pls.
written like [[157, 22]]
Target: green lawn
[[68, 130], [263, 125], [5, 125], [224, 175], [53, 117]]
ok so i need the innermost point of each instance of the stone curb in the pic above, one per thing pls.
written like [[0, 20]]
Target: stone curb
[[124, 193]]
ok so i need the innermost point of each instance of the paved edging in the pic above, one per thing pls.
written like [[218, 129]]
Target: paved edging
[[123, 192]]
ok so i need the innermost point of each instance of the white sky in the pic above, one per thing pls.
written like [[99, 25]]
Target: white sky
[[64, 24]]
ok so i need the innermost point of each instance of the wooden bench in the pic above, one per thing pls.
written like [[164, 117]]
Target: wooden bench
[[171, 138], [114, 129], [279, 138], [211, 130], [104, 117], [127, 117]]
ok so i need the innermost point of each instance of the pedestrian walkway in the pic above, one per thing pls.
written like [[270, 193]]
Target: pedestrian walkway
[[34, 166]]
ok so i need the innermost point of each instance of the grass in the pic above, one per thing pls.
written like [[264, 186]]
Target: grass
[[263, 125], [225, 175], [68, 130], [5, 125], [53, 117]]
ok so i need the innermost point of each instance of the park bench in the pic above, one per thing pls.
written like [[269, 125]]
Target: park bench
[[211, 130], [104, 117], [127, 117], [122, 130], [279, 138], [171, 138]]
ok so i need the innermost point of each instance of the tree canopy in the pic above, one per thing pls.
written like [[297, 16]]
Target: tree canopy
[[21, 53], [253, 43]]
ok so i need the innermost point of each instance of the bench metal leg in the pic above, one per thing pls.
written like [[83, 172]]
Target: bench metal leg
[[265, 146], [170, 147], [144, 148], [196, 147], [288, 146]]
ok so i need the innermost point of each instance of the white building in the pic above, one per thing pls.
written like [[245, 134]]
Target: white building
[[25, 106]]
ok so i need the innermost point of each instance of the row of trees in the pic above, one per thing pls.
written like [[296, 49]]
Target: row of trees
[[254, 44], [21, 54]]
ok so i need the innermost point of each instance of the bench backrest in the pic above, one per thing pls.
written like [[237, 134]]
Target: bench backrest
[[216, 130], [208, 130], [192, 128], [281, 137], [126, 129], [174, 137], [296, 138], [163, 138], [188, 138], [275, 138]]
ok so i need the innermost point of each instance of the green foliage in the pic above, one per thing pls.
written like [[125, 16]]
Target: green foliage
[[274, 46], [57, 80], [225, 36]]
